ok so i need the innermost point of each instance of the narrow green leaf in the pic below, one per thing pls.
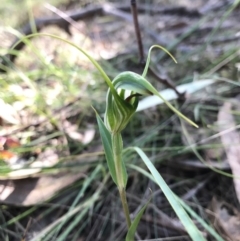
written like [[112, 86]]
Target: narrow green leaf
[[200, 220], [107, 144], [192, 230], [132, 230], [73, 224], [185, 206], [94, 62]]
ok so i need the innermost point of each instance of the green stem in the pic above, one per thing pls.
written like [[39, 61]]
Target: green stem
[[120, 173], [123, 197]]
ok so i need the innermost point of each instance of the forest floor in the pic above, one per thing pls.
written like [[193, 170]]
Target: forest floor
[[54, 181]]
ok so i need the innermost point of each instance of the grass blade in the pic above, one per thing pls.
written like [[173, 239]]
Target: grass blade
[[132, 230], [200, 220], [192, 230], [185, 206], [107, 144]]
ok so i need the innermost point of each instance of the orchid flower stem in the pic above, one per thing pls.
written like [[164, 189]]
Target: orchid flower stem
[[117, 155], [122, 193]]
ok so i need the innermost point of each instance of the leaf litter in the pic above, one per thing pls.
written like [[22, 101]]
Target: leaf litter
[[231, 141]]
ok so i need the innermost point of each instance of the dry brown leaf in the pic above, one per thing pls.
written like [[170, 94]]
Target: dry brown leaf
[[21, 174], [72, 131], [32, 191], [231, 141], [27, 186], [46, 158], [225, 219], [8, 113], [6, 153], [20, 168]]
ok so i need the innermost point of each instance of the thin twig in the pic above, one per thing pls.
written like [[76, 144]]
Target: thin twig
[[167, 82], [65, 16], [164, 81], [137, 31]]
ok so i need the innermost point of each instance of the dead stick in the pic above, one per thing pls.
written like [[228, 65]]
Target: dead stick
[[137, 31], [141, 53]]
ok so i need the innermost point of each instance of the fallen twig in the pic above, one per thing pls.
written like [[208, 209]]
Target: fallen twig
[[64, 23]]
